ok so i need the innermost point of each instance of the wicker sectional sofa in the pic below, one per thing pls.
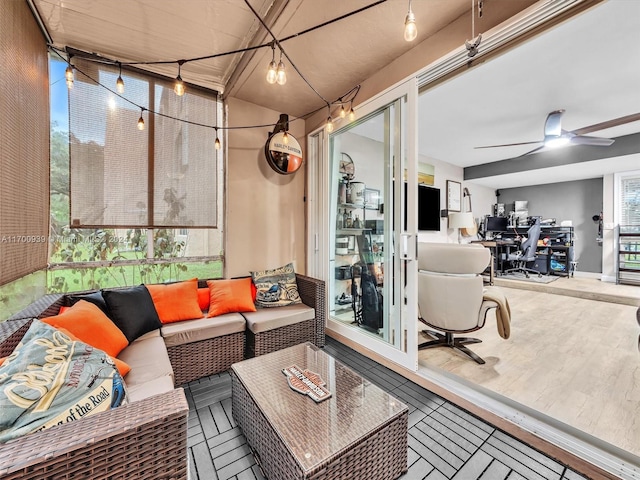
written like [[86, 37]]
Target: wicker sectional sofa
[[147, 437]]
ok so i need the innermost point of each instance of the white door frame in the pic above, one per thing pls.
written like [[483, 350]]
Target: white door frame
[[318, 223]]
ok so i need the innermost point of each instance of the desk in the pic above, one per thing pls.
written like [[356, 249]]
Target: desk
[[560, 253], [491, 245], [497, 247]]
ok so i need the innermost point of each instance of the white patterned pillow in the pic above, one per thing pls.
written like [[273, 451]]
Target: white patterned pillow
[[277, 287]]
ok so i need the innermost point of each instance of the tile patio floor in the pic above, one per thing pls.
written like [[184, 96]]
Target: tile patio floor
[[445, 442]]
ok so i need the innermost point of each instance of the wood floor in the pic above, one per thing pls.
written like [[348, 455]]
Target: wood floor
[[574, 359], [445, 442]]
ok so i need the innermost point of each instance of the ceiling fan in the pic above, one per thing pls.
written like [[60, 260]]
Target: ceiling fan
[[555, 136]]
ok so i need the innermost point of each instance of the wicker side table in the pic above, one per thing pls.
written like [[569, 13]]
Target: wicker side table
[[360, 432]]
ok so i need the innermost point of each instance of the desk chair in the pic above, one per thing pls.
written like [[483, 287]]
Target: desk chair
[[527, 252], [451, 295]]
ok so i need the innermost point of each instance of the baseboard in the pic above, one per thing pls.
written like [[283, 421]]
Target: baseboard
[[594, 275]]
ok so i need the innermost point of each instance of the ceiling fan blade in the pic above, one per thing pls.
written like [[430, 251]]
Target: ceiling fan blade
[[552, 126], [634, 117], [510, 144], [531, 151], [593, 141]]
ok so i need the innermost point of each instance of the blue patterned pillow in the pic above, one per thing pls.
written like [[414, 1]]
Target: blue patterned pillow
[[50, 379], [276, 288]]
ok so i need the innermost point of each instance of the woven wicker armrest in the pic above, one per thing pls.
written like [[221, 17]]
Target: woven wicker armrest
[[146, 439], [312, 293], [11, 332], [45, 306]]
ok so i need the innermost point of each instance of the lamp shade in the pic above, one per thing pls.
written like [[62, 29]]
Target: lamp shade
[[461, 220]]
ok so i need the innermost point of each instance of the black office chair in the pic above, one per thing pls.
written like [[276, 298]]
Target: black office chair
[[527, 252]]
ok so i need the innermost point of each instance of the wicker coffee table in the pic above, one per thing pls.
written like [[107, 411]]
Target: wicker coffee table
[[359, 432]]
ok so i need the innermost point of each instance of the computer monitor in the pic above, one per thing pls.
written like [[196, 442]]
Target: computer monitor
[[496, 224]]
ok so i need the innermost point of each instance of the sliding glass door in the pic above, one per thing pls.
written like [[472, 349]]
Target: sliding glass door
[[370, 237]]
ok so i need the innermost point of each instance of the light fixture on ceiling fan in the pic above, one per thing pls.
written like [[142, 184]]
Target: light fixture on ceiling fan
[[555, 136]]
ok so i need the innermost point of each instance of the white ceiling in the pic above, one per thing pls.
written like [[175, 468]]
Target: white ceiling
[[589, 66]]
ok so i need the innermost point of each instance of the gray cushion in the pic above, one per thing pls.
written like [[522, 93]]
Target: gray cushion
[[148, 360], [265, 319], [180, 333]]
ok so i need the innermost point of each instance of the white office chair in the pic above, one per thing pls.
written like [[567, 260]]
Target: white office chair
[[451, 294]]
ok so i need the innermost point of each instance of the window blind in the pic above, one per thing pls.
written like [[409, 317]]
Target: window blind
[[24, 149], [630, 201], [120, 176]]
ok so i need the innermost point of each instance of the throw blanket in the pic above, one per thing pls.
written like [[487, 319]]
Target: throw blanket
[[503, 312]]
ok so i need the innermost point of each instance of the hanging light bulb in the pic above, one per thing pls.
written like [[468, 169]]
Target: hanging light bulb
[[217, 142], [352, 115], [141, 120], [178, 88], [343, 112], [68, 75], [272, 72], [281, 76], [119, 81], [285, 138], [329, 125], [410, 29]]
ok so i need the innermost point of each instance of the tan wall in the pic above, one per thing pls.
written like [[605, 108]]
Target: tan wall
[[265, 210]]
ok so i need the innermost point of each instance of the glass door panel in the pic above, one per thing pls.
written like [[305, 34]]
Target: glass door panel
[[370, 240]]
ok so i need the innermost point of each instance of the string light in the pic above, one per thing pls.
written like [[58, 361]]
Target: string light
[[343, 112], [281, 76], [285, 138], [272, 72], [68, 73], [347, 98], [352, 115], [329, 121], [141, 120], [178, 88], [410, 29], [119, 81], [217, 142]]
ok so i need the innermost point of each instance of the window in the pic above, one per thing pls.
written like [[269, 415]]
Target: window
[[162, 176], [120, 215], [630, 200]]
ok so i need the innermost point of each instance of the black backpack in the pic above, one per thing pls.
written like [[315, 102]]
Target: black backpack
[[367, 305]]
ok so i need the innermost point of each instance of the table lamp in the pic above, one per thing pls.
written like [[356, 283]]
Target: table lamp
[[461, 220]]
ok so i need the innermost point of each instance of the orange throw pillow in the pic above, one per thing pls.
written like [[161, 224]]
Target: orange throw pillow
[[90, 325], [203, 298], [63, 309], [227, 296], [176, 301], [122, 366]]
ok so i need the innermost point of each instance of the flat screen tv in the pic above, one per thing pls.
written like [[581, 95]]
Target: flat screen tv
[[428, 208]]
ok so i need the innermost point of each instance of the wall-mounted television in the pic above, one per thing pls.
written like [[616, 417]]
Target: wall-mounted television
[[428, 208]]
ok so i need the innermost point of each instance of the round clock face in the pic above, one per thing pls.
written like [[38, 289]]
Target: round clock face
[[347, 167]]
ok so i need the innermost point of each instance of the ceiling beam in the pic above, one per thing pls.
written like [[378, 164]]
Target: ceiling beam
[[625, 145]]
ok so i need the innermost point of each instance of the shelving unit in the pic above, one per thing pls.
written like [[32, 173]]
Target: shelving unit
[[628, 255]]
